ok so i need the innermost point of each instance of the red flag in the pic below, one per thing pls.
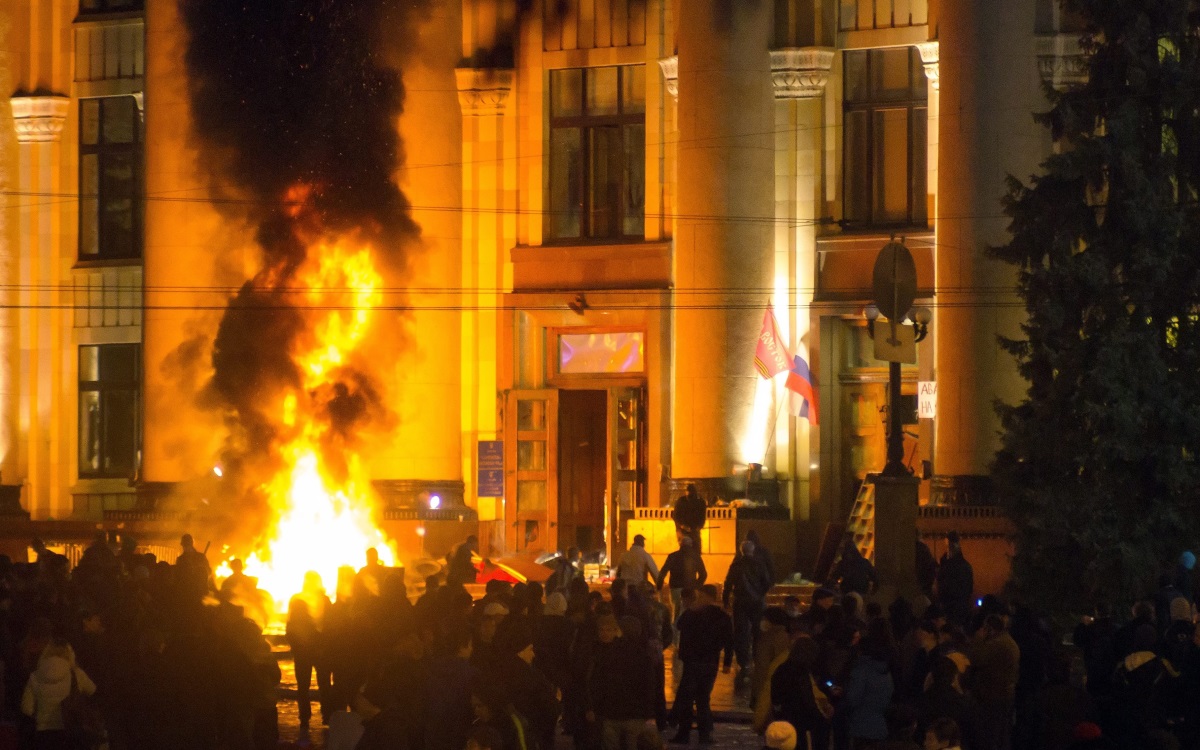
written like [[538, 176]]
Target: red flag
[[771, 357]]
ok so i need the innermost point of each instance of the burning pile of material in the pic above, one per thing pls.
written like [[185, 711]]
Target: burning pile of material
[[295, 113]]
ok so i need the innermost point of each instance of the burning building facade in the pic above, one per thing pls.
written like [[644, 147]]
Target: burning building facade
[[539, 301]]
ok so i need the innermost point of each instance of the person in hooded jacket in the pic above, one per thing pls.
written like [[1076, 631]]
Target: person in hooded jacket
[[869, 689], [795, 697], [529, 691], [1141, 685], [55, 677]]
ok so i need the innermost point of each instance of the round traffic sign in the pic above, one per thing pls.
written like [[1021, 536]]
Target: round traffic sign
[[895, 281]]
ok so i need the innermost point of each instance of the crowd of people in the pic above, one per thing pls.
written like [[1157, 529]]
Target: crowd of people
[[125, 651]]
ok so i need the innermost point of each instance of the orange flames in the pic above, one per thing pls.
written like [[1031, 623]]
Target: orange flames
[[321, 499]]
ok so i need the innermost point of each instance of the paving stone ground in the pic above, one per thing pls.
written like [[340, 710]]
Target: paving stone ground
[[730, 708]]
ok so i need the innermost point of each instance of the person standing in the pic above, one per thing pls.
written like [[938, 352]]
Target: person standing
[[855, 573], [705, 631], [995, 663], [636, 565], [194, 569], [689, 514], [762, 554], [305, 635], [566, 570], [746, 586], [955, 582], [683, 569], [461, 568]]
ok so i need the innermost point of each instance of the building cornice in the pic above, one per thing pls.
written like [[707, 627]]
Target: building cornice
[[929, 58], [1061, 60], [800, 72], [483, 91], [670, 73], [39, 119]]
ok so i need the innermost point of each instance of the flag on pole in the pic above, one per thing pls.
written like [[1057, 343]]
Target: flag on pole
[[803, 390], [771, 357]]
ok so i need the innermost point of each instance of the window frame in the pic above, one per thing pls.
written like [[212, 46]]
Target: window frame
[[135, 6], [133, 388], [588, 125], [870, 106], [100, 149]]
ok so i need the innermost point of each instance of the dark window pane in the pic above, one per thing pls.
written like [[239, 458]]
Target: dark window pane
[[566, 92], [118, 364], [604, 168], [120, 432], [89, 121], [855, 76], [920, 177], [858, 169], [119, 115], [109, 383], [601, 91], [890, 165], [633, 89], [890, 71], [116, 206], [89, 205], [633, 209], [566, 201]]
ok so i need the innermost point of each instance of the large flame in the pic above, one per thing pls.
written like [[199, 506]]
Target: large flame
[[322, 514]]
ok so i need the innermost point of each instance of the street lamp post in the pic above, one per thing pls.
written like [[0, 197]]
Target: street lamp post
[[896, 489], [895, 287]]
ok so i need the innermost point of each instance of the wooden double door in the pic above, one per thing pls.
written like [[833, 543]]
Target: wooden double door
[[574, 458]]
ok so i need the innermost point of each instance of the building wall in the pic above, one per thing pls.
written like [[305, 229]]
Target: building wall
[[744, 186]]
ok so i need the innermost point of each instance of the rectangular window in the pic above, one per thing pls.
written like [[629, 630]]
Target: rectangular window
[[109, 395], [109, 6], [884, 138], [597, 167], [615, 352], [110, 178]]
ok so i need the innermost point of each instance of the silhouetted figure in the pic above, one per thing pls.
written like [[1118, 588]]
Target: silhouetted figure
[[705, 631], [305, 625], [689, 514]]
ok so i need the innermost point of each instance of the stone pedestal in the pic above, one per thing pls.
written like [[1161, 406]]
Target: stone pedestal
[[895, 535]]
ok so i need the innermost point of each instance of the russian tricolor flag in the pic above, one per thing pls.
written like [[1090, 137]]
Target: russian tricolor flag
[[800, 383]]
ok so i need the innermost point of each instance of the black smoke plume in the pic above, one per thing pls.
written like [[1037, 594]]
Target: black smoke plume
[[295, 105]]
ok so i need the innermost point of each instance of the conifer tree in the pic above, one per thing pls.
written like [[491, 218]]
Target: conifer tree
[[1099, 467]]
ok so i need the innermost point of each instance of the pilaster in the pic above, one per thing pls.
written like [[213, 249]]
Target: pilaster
[[483, 96]]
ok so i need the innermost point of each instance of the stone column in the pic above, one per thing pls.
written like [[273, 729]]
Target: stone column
[[989, 89], [10, 404], [483, 95], [723, 239], [799, 76], [39, 122]]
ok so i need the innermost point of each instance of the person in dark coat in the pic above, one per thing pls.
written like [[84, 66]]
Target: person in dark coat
[[1049, 717], [927, 569], [566, 570], [448, 711], [682, 570], [795, 697], [1096, 637], [305, 635], [705, 631], [945, 699], [762, 554], [530, 692], [620, 682], [854, 572], [689, 514], [461, 569], [746, 587], [1184, 572], [955, 583], [1142, 685]]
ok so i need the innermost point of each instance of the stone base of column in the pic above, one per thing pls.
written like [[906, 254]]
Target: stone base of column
[[895, 536]]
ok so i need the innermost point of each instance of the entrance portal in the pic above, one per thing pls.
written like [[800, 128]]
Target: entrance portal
[[582, 468]]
